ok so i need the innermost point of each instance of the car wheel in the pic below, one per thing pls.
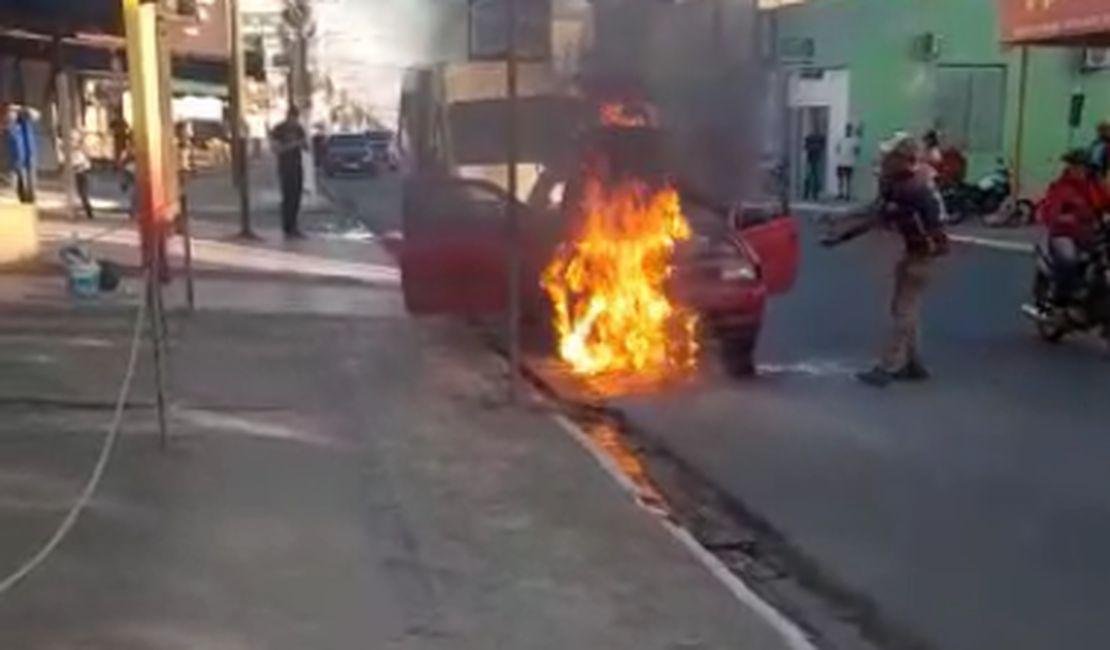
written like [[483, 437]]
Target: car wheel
[[737, 350]]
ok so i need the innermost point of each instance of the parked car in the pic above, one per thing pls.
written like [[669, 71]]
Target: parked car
[[349, 153], [383, 145], [454, 256]]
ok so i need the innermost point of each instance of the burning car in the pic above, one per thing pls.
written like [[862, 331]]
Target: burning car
[[630, 267]]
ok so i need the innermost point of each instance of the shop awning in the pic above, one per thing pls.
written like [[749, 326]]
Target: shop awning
[[93, 28], [63, 16], [1072, 23], [95, 55]]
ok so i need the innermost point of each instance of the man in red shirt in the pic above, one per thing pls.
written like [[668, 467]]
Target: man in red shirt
[[1070, 210]]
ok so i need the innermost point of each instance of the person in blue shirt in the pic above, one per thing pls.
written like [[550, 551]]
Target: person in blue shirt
[[1099, 152], [19, 137]]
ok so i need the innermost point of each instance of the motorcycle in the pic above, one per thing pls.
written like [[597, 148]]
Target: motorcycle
[[990, 199], [1087, 306]]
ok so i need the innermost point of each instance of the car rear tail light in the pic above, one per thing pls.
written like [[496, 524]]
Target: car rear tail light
[[734, 265], [738, 270]]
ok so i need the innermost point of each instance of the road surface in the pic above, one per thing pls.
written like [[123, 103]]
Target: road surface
[[974, 510], [337, 477]]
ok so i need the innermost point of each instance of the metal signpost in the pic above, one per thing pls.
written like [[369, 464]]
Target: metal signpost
[[235, 104], [503, 30], [512, 216], [155, 167]]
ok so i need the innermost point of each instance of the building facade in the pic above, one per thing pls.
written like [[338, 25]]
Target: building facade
[[907, 65]]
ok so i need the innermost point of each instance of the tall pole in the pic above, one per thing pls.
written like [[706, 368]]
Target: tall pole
[[155, 163], [1019, 120], [67, 131], [239, 169], [303, 27], [512, 220]]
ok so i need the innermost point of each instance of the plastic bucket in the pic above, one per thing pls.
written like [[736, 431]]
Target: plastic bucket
[[84, 280]]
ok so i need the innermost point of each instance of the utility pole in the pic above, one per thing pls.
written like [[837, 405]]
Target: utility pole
[[67, 129], [512, 216], [239, 167], [299, 20]]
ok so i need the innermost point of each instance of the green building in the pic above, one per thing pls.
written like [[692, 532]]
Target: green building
[[917, 64]]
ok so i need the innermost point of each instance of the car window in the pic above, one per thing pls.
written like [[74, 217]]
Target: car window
[[379, 138], [348, 142]]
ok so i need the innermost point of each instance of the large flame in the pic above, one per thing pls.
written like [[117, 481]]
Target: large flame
[[608, 284]]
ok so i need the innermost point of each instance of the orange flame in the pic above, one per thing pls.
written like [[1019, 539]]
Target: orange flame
[[608, 285], [617, 114]]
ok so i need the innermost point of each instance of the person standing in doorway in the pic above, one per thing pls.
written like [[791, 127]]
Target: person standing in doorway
[[289, 142], [814, 147], [19, 136], [847, 157]]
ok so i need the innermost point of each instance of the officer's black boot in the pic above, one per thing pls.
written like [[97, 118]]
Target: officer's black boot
[[878, 377], [914, 370]]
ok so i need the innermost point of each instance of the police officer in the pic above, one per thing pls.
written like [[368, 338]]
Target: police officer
[[909, 204]]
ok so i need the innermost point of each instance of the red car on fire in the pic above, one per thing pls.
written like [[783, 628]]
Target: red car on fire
[[454, 259]]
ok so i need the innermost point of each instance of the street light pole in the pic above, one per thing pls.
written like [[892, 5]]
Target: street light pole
[[512, 220], [239, 169]]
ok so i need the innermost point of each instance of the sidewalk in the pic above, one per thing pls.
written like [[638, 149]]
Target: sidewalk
[[217, 251], [339, 247], [332, 483], [1017, 240], [210, 195]]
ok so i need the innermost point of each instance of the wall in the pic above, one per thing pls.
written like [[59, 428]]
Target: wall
[[891, 89]]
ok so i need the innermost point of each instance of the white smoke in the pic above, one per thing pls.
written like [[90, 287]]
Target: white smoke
[[365, 45]]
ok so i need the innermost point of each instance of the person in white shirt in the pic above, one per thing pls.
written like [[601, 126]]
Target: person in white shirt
[[82, 167], [847, 157]]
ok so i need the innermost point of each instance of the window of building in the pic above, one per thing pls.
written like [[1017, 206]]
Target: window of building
[[970, 106]]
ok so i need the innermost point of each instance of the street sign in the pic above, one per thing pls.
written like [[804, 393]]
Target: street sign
[[489, 35]]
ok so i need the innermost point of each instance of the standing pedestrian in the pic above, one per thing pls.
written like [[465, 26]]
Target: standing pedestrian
[[19, 135], [82, 168], [814, 146], [847, 157], [908, 204], [121, 136], [289, 141]]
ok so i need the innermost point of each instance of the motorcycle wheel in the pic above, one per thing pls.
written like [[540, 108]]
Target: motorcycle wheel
[[1050, 330]]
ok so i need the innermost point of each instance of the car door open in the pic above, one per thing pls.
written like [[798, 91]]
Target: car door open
[[453, 259]]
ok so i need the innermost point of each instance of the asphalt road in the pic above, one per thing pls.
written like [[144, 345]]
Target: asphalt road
[[973, 510]]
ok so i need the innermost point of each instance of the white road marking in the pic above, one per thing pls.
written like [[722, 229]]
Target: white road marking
[[997, 244]]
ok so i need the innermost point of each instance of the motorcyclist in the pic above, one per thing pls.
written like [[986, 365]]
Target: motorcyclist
[[1070, 210], [908, 204]]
